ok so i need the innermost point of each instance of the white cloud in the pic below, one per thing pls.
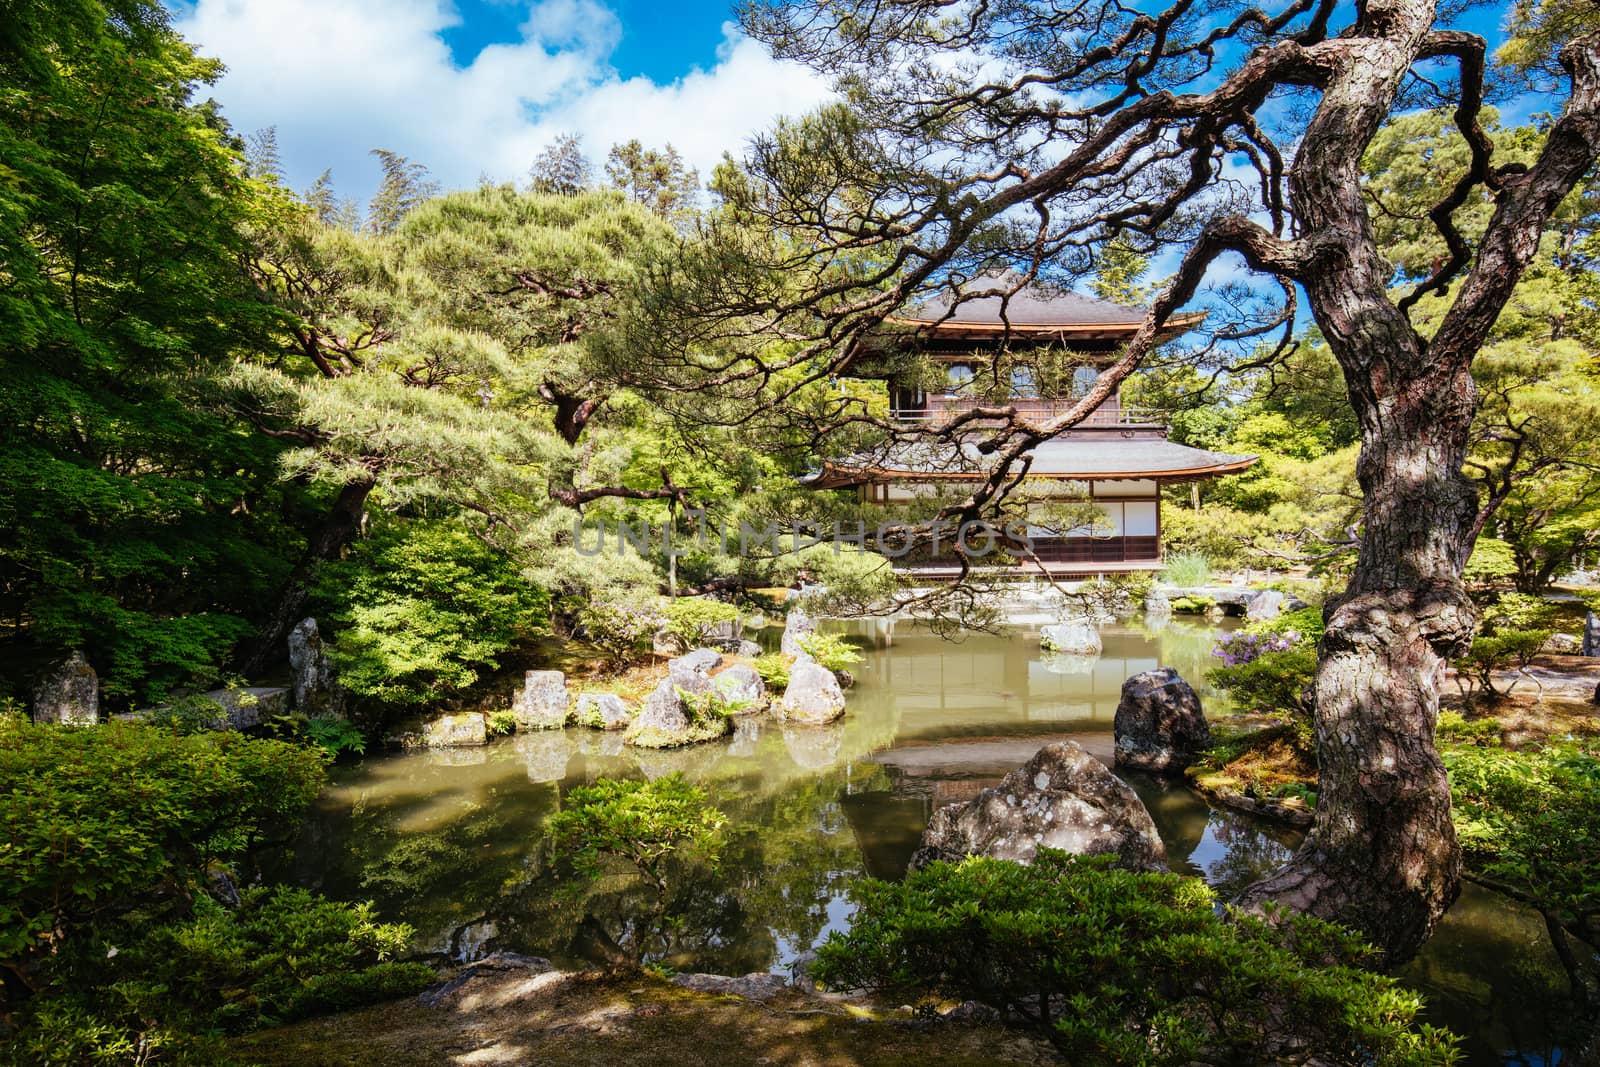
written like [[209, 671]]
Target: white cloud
[[340, 77]]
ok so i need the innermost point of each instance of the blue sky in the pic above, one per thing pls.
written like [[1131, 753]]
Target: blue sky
[[661, 41]]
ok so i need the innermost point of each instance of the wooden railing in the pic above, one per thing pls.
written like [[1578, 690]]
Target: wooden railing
[[935, 408], [1051, 551]]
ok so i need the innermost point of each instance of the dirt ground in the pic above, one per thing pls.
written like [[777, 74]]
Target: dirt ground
[[518, 1017]]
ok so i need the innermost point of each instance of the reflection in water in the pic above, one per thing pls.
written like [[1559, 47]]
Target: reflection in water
[[452, 841]]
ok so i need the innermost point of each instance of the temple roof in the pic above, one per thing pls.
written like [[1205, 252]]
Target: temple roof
[[1034, 309], [1073, 460]]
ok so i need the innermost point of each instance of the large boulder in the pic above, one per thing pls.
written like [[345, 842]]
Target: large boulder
[[249, 706], [1591, 635], [812, 696], [311, 681], [741, 685], [455, 731], [1563, 645], [1267, 604], [798, 625], [747, 649], [667, 720], [1157, 602], [704, 660], [1160, 726], [69, 695], [1062, 798], [542, 704], [666, 642], [602, 711], [1076, 637]]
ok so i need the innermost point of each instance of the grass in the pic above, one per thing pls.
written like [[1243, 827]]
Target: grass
[[1185, 569]]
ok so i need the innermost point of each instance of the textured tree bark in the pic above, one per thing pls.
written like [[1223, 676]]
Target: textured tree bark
[[338, 529]]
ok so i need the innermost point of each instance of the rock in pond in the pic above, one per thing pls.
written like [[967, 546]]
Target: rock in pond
[[248, 706], [542, 704], [796, 626], [68, 695], [1157, 602], [667, 720], [704, 660], [1075, 636], [311, 680], [1062, 798], [742, 688], [1160, 726], [812, 696], [456, 731], [601, 711]]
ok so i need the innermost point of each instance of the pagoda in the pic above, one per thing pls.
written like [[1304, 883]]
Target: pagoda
[[1036, 350]]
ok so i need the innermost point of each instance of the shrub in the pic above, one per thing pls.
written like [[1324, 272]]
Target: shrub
[[282, 954], [1117, 967], [140, 811], [622, 630], [830, 650], [1492, 561], [1185, 569], [693, 618], [500, 723], [1518, 611], [1452, 726], [1497, 652], [421, 609], [1526, 822], [643, 823], [1271, 665]]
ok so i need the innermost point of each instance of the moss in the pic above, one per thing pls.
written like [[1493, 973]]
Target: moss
[[708, 730]]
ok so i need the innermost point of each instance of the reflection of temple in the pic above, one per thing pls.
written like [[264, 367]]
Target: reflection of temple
[[1037, 351], [943, 689]]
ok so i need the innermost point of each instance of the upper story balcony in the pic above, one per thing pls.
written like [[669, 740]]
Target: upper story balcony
[[1111, 415]]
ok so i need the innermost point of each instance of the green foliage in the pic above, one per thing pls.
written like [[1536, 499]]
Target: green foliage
[[418, 612], [105, 820], [694, 618], [621, 630], [500, 723], [1193, 605], [1501, 651], [282, 954], [774, 670], [1278, 680], [336, 735], [1455, 728], [138, 522], [1492, 561], [833, 651], [1526, 821], [1117, 967], [1518, 611], [642, 823], [1186, 569]]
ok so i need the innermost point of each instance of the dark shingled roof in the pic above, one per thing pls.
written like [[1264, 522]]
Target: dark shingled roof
[[1074, 459], [1038, 304]]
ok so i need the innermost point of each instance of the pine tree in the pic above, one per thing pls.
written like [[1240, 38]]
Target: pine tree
[[561, 169], [405, 185], [657, 179]]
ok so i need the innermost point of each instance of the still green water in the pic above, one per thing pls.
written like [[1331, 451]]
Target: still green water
[[450, 841]]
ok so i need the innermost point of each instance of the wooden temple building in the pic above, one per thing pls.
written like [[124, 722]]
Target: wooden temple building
[[1037, 350]]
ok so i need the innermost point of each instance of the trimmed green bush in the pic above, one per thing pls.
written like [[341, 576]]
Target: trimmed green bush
[[693, 618], [420, 611], [1117, 967]]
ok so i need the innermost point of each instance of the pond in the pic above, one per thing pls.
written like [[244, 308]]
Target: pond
[[450, 841]]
